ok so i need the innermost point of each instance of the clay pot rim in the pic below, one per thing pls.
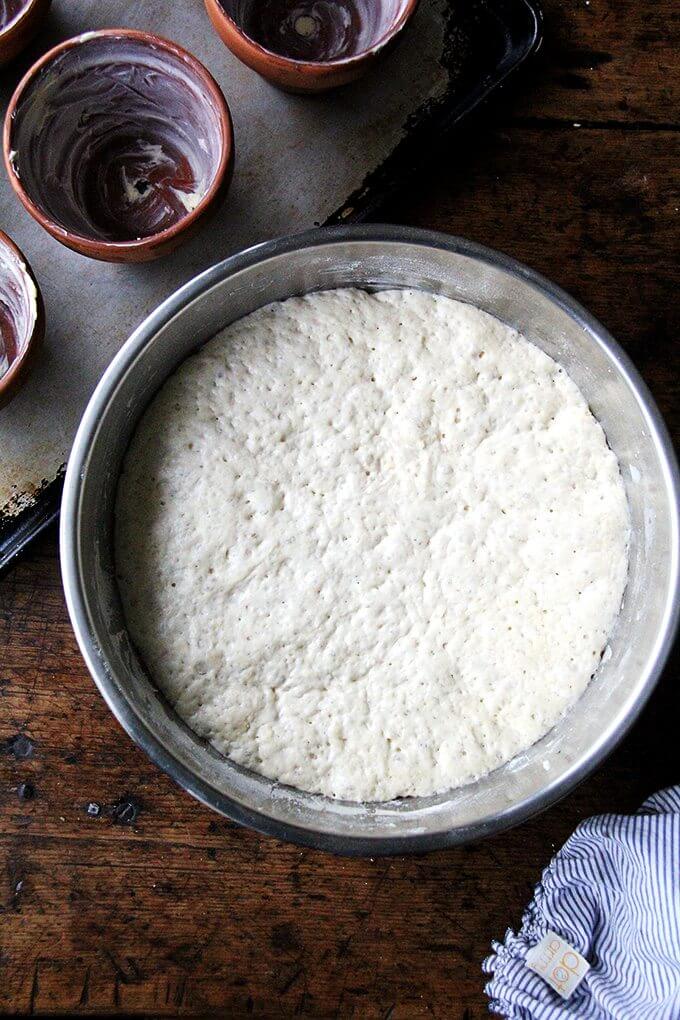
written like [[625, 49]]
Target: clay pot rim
[[95, 246], [289, 63], [16, 21], [9, 379]]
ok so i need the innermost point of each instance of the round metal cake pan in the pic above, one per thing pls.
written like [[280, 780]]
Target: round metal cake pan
[[378, 257]]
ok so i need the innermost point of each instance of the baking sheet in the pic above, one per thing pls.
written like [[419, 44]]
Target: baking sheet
[[300, 161]]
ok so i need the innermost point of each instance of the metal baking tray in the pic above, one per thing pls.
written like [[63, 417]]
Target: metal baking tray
[[300, 162]]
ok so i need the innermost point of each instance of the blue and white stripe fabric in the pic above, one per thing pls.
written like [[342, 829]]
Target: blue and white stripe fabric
[[613, 893]]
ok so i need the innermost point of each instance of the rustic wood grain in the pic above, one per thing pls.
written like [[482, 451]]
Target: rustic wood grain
[[607, 61], [150, 903]]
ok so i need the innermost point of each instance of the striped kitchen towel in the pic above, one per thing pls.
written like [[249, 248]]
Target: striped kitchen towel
[[609, 899]]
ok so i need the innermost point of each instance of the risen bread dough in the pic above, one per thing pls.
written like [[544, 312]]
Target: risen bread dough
[[370, 545]]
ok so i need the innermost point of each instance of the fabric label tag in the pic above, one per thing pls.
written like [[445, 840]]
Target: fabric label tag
[[557, 963]]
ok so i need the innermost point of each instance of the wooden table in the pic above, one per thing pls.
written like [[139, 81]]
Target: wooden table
[[120, 894]]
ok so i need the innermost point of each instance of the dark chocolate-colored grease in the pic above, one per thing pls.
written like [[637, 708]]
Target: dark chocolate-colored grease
[[117, 139], [129, 193], [9, 10], [315, 30], [8, 340]]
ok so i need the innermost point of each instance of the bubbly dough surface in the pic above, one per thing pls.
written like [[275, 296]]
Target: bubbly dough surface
[[371, 545]]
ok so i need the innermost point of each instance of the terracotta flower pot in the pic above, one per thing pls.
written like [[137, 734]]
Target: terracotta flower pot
[[136, 151], [22, 318], [310, 45], [20, 20]]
